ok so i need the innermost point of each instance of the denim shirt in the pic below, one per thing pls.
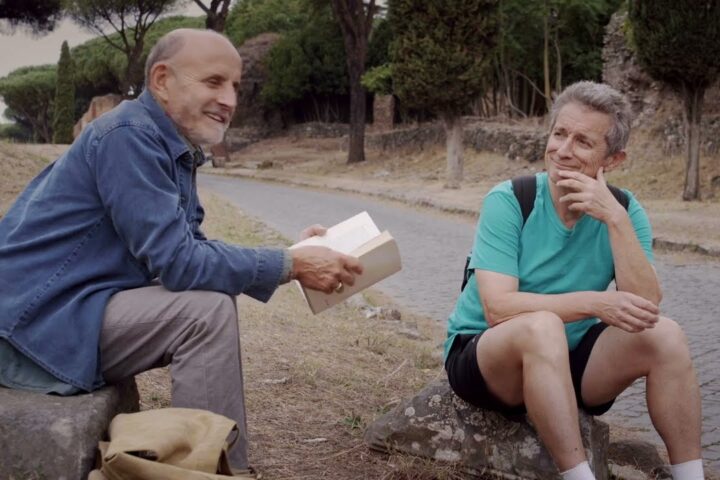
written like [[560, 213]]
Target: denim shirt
[[117, 210]]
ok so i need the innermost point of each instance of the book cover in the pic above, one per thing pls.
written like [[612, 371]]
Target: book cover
[[357, 236]]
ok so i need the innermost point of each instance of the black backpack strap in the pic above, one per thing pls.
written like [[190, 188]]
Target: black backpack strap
[[620, 196], [524, 187]]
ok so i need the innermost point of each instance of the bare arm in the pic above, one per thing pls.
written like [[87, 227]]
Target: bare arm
[[633, 271], [502, 301]]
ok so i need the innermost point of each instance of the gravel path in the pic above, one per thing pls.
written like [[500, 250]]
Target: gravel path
[[433, 248]]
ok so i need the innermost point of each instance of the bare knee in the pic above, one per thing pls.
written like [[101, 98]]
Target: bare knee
[[543, 335], [665, 342]]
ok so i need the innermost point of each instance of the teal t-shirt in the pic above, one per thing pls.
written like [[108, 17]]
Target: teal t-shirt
[[545, 255]]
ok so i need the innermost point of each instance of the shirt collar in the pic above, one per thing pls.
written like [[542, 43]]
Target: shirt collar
[[178, 144]]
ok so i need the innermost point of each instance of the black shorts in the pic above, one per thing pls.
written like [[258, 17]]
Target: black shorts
[[467, 381]]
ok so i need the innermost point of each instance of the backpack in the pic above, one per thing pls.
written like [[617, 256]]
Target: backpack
[[524, 188]]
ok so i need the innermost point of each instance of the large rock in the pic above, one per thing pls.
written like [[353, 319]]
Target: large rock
[[47, 436], [437, 424]]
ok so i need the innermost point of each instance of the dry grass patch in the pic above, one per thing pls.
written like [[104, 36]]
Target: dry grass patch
[[313, 383]]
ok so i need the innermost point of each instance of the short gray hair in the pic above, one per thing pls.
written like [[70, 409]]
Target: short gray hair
[[165, 48], [604, 99]]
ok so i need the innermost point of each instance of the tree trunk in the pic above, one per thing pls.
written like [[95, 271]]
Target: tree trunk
[[546, 61], [215, 21], [356, 150], [693, 98], [133, 71], [558, 64], [453, 134]]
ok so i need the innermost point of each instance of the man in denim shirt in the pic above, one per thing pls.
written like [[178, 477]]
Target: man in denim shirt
[[105, 272]]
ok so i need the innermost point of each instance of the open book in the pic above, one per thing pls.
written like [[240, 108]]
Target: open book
[[357, 236]]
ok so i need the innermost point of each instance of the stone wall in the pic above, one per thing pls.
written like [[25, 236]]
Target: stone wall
[[513, 141]]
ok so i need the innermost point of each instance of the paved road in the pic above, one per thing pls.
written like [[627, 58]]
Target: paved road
[[433, 248]]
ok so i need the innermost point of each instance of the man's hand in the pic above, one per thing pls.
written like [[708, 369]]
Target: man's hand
[[627, 311], [320, 268], [590, 196], [312, 231]]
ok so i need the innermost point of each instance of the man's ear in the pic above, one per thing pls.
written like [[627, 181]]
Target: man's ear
[[157, 83], [615, 160]]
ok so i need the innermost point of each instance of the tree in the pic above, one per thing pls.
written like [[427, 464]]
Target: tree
[[678, 43], [356, 20], [29, 93], [249, 18], [307, 72], [131, 20], [216, 12], [39, 15], [440, 59], [571, 33], [64, 115]]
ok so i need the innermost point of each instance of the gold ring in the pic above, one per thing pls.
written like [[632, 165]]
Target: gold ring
[[339, 288]]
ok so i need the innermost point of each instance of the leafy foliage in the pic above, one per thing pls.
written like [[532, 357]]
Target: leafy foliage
[[575, 29], [442, 51], [39, 15], [379, 46], [29, 93], [307, 64], [64, 114], [15, 132], [99, 67], [249, 18], [378, 80], [678, 42], [131, 20]]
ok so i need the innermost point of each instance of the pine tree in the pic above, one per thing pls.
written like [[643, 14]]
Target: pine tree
[[440, 59], [678, 43], [64, 117]]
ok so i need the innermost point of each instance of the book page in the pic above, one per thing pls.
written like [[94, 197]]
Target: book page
[[346, 236]]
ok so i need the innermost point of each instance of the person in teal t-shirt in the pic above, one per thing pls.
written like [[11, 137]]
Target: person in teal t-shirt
[[536, 328]]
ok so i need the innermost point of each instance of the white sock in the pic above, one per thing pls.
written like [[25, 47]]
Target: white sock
[[581, 471], [692, 470]]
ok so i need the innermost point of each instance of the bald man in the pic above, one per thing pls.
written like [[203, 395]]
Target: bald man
[[105, 271]]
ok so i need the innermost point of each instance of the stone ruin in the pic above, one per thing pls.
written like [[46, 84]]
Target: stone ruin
[[656, 107], [98, 106]]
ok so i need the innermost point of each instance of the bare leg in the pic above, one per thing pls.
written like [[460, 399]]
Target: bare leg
[[525, 360], [661, 354]]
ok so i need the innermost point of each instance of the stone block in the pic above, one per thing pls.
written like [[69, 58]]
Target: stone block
[[48, 436], [437, 424]]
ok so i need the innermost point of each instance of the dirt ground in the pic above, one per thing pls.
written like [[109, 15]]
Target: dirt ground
[[356, 368], [416, 177]]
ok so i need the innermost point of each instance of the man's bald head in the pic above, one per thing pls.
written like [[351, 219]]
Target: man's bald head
[[172, 43]]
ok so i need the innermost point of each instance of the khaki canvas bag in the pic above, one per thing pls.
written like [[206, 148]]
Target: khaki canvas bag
[[167, 444]]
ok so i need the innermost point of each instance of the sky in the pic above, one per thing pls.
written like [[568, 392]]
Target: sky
[[22, 49]]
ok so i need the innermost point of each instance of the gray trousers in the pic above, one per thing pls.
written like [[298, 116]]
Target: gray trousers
[[196, 333]]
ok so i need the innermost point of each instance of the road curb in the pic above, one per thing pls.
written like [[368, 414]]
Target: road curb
[[659, 242]]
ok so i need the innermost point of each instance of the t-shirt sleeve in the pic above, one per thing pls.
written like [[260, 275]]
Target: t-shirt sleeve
[[641, 224], [497, 237]]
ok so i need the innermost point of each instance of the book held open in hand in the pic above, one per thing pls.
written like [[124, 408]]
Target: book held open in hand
[[360, 237]]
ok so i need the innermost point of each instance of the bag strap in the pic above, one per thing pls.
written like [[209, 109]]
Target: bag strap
[[524, 187], [620, 196]]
